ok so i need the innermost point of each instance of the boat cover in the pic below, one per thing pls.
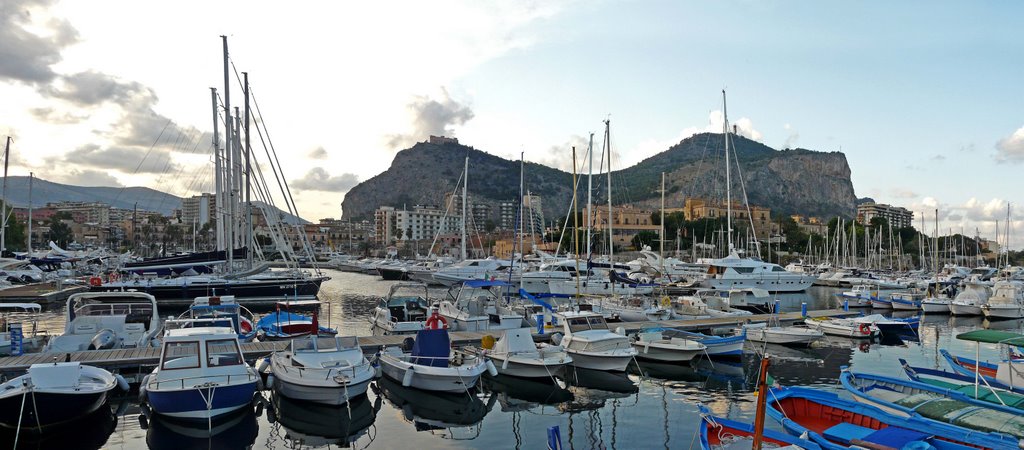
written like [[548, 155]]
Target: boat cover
[[432, 348], [993, 337]]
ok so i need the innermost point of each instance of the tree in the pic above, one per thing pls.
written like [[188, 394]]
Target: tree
[[60, 232], [644, 238]]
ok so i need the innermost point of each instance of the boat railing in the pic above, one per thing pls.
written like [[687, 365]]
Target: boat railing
[[331, 371], [215, 380]]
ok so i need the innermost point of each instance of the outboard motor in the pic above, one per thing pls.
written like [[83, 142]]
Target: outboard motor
[[104, 340]]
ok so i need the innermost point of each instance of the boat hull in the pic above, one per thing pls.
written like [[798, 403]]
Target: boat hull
[[338, 395], [242, 290], [448, 379], [191, 403], [604, 363], [522, 370], [961, 309], [935, 307], [43, 409], [657, 353], [1003, 311]]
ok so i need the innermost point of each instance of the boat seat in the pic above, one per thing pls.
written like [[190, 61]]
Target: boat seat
[[843, 433], [892, 437]]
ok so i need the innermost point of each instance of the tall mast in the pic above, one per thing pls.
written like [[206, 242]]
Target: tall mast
[[590, 188], [248, 168], [465, 183], [218, 169], [611, 234], [229, 236], [728, 180], [661, 233], [3, 222], [29, 242]]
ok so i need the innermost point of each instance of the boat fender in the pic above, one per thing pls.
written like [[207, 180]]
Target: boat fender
[[143, 389], [377, 372], [865, 328], [121, 382], [487, 342], [407, 379], [259, 383], [263, 365], [504, 364], [494, 370], [143, 422], [270, 381], [620, 331]]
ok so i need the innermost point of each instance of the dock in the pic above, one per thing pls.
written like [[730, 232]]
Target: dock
[[132, 360], [48, 293]]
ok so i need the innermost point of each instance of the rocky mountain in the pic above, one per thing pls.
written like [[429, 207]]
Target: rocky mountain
[[797, 181], [44, 192]]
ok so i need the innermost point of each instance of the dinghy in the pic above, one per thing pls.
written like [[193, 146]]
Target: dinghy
[[720, 433]]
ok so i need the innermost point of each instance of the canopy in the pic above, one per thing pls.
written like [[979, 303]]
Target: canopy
[[21, 306], [484, 283], [993, 337]]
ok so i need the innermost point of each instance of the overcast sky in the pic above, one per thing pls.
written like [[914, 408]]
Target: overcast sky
[[924, 98]]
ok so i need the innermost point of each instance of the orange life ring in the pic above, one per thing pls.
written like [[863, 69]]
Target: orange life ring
[[435, 322], [865, 328], [95, 281]]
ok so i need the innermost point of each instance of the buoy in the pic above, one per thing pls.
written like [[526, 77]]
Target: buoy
[[494, 370], [121, 382], [377, 372], [487, 342], [407, 379], [143, 391], [270, 381], [95, 281]]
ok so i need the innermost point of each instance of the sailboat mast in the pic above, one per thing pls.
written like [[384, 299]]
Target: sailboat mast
[[3, 222], [728, 180], [248, 167], [28, 242], [611, 234], [661, 233], [590, 188], [218, 184], [229, 234], [465, 182]]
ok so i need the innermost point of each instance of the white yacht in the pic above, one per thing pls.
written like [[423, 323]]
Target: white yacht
[[734, 272], [108, 320], [969, 301], [478, 306], [591, 345], [640, 309], [712, 303], [1006, 302], [423, 271], [477, 269], [322, 369]]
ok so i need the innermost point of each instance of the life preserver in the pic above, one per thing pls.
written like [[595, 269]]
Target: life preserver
[[436, 322], [865, 328], [95, 281], [245, 325]]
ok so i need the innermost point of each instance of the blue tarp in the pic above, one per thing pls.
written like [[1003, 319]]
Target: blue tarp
[[432, 347]]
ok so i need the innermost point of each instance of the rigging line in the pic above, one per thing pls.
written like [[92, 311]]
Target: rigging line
[[746, 201], [289, 200], [121, 191], [181, 168]]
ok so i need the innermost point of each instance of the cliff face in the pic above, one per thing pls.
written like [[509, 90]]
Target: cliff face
[[789, 182]]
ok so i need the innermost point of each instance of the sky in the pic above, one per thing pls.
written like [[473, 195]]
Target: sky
[[923, 97]]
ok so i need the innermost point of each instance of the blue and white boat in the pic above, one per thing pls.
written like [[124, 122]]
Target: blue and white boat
[[223, 311], [836, 423], [906, 301], [979, 388], [201, 375], [283, 324], [715, 345]]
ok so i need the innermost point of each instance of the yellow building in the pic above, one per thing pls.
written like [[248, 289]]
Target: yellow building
[[627, 222], [698, 208]]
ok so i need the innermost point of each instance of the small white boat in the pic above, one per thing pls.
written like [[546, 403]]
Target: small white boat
[[936, 305], [322, 369], [710, 303], [881, 303], [906, 301], [590, 343], [849, 328], [1007, 301], [640, 309], [969, 301], [515, 353], [54, 393], [107, 320], [655, 346], [13, 318], [402, 311], [790, 335], [432, 365], [477, 305]]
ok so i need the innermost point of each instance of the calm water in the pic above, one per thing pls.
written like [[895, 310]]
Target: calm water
[[656, 409]]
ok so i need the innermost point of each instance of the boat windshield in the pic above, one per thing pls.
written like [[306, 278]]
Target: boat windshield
[[181, 355], [223, 352], [587, 323]]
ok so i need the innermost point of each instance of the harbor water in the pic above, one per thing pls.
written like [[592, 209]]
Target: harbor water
[[653, 406]]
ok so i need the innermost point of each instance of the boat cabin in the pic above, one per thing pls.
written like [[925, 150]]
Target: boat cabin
[[406, 302], [583, 321], [131, 316], [322, 352], [199, 348]]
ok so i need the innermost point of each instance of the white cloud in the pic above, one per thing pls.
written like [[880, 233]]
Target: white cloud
[[792, 138], [317, 179], [1011, 148], [431, 117]]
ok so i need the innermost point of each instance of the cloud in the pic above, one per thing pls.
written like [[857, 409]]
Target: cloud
[[92, 88], [968, 148], [902, 193], [431, 117], [938, 158], [124, 159], [31, 41], [90, 177], [792, 138], [318, 153], [317, 179], [1011, 148], [560, 156], [49, 115]]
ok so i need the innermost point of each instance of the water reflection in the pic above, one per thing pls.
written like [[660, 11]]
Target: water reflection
[[592, 388], [519, 394], [458, 416], [238, 430], [91, 431], [317, 424]]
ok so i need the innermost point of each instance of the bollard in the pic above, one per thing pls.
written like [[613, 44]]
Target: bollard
[[776, 308], [554, 438], [540, 323], [846, 304], [803, 309]]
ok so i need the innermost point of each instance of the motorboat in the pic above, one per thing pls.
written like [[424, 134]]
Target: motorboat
[[969, 301], [848, 328], [55, 393], [734, 272], [515, 354], [859, 296], [432, 365], [107, 320], [936, 305], [720, 433], [322, 369], [888, 325], [222, 311], [14, 338], [881, 302], [20, 271], [714, 303], [640, 309], [591, 344], [837, 423], [201, 375], [782, 335], [477, 269], [715, 346], [654, 345], [906, 301], [1006, 302], [423, 271], [477, 305], [402, 311], [395, 271], [284, 323]]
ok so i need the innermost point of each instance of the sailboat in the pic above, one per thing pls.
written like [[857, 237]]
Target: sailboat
[[735, 272]]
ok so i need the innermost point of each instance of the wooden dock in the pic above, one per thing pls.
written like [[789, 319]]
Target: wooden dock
[[134, 359], [42, 293]]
